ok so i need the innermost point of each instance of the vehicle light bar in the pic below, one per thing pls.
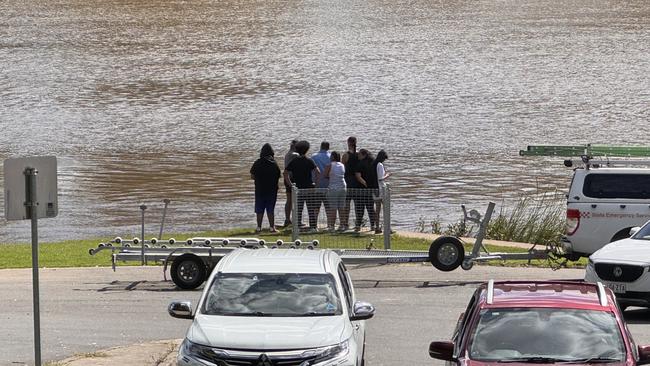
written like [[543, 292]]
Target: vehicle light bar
[[602, 296], [490, 292]]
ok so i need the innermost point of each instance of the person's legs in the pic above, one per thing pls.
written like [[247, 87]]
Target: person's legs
[[287, 207], [259, 211], [377, 214], [301, 204], [359, 206], [344, 218], [331, 209], [270, 210], [370, 207], [260, 216]]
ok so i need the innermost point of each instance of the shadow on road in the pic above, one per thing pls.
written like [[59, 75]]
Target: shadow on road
[[155, 286], [414, 284]]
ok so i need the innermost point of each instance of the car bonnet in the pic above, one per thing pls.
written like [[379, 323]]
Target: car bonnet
[[269, 333]]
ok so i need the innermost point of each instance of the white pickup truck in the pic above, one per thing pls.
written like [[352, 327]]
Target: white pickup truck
[[603, 204]]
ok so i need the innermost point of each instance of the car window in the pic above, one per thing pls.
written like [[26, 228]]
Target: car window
[[272, 294], [617, 186], [643, 233], [538, 333], [347, 291], [461, 326]]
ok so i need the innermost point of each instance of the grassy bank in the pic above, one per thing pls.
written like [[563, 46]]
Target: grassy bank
[[75, 253]]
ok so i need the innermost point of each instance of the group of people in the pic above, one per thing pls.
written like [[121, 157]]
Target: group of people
[[327, 178]]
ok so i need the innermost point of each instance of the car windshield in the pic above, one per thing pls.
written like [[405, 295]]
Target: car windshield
[[643, 233], [272, 294], [542, 335]]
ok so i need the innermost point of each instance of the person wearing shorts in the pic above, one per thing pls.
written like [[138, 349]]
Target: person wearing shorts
[[336, 190], [266, 173]]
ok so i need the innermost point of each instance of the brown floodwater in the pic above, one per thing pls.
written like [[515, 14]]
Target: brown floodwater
[[146, 100]]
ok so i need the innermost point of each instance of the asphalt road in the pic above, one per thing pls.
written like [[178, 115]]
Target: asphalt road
[[85, 310]]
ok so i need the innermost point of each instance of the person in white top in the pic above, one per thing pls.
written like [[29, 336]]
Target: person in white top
[[382, 174], [336, 192]]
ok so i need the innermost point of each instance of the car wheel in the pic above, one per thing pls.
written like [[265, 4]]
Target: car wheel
[[188, 271], [446, 253]]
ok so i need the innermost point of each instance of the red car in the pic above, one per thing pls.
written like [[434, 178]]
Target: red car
[[541, 322]]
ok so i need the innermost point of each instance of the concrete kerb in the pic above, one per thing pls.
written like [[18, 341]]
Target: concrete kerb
[[158, 353]]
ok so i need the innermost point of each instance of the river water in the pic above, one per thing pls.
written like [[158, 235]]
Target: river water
[[146, 100]]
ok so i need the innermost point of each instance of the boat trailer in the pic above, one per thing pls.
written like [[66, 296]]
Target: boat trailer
[[193, 259]]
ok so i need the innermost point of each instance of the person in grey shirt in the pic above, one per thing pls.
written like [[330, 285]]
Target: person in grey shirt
[[336, 192], [322, 160]]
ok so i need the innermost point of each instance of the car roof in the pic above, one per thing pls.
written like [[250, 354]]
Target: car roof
[[563, 294], [278, 261]]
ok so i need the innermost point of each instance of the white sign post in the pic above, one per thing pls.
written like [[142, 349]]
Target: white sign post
[[22, 203]]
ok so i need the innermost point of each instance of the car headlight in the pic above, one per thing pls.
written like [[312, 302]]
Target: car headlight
[[330, 355], [196, 354]]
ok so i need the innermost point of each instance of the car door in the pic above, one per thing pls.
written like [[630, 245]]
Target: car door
[[358, 327]]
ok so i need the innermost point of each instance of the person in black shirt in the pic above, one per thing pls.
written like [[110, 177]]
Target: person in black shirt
[[367, 183], [350, 160], [299, 172], [266, 173]]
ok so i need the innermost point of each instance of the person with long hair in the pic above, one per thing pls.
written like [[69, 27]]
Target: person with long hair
[[382, 175]]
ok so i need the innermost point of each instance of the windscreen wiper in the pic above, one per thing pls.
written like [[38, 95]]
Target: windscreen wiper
[[536, 359]]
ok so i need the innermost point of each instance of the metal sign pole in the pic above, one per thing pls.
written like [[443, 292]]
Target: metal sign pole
[[31, 205], [143, 207]]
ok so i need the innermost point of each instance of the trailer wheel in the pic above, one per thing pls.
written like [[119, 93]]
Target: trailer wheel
[[188, 271], [446, 253]]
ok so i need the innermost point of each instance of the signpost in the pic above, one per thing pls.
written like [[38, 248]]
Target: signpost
[[27, 200]]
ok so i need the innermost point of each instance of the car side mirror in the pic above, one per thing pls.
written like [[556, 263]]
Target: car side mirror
[[634, 230], [362, 311], [644, 355], [442, 350], [181, 309]]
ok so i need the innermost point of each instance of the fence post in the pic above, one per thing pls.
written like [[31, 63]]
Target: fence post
[[387, 229], [295, 231]]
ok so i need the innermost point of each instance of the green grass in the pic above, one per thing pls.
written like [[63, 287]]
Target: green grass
[[75, 253]]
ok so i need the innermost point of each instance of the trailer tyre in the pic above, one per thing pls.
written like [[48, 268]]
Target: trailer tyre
[[446, 253], [188, 271]]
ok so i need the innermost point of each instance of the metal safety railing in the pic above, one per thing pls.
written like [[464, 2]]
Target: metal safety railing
[[342, 216]]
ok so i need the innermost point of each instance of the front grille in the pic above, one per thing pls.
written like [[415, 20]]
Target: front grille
[[618, 272], [257, 361]]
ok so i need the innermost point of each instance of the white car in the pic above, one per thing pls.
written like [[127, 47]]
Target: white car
[[275, 307], [623, 266]]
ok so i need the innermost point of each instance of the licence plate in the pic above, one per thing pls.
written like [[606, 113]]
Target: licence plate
[[618, 288]]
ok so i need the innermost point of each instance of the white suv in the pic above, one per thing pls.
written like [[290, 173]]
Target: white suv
[[603, 204], [275, 307], [623, 266]]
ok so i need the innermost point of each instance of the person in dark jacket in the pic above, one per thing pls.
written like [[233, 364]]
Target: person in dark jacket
[[367, 182], [266, 173]]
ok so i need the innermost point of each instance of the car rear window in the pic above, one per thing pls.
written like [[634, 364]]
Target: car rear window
[[617, 186]]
